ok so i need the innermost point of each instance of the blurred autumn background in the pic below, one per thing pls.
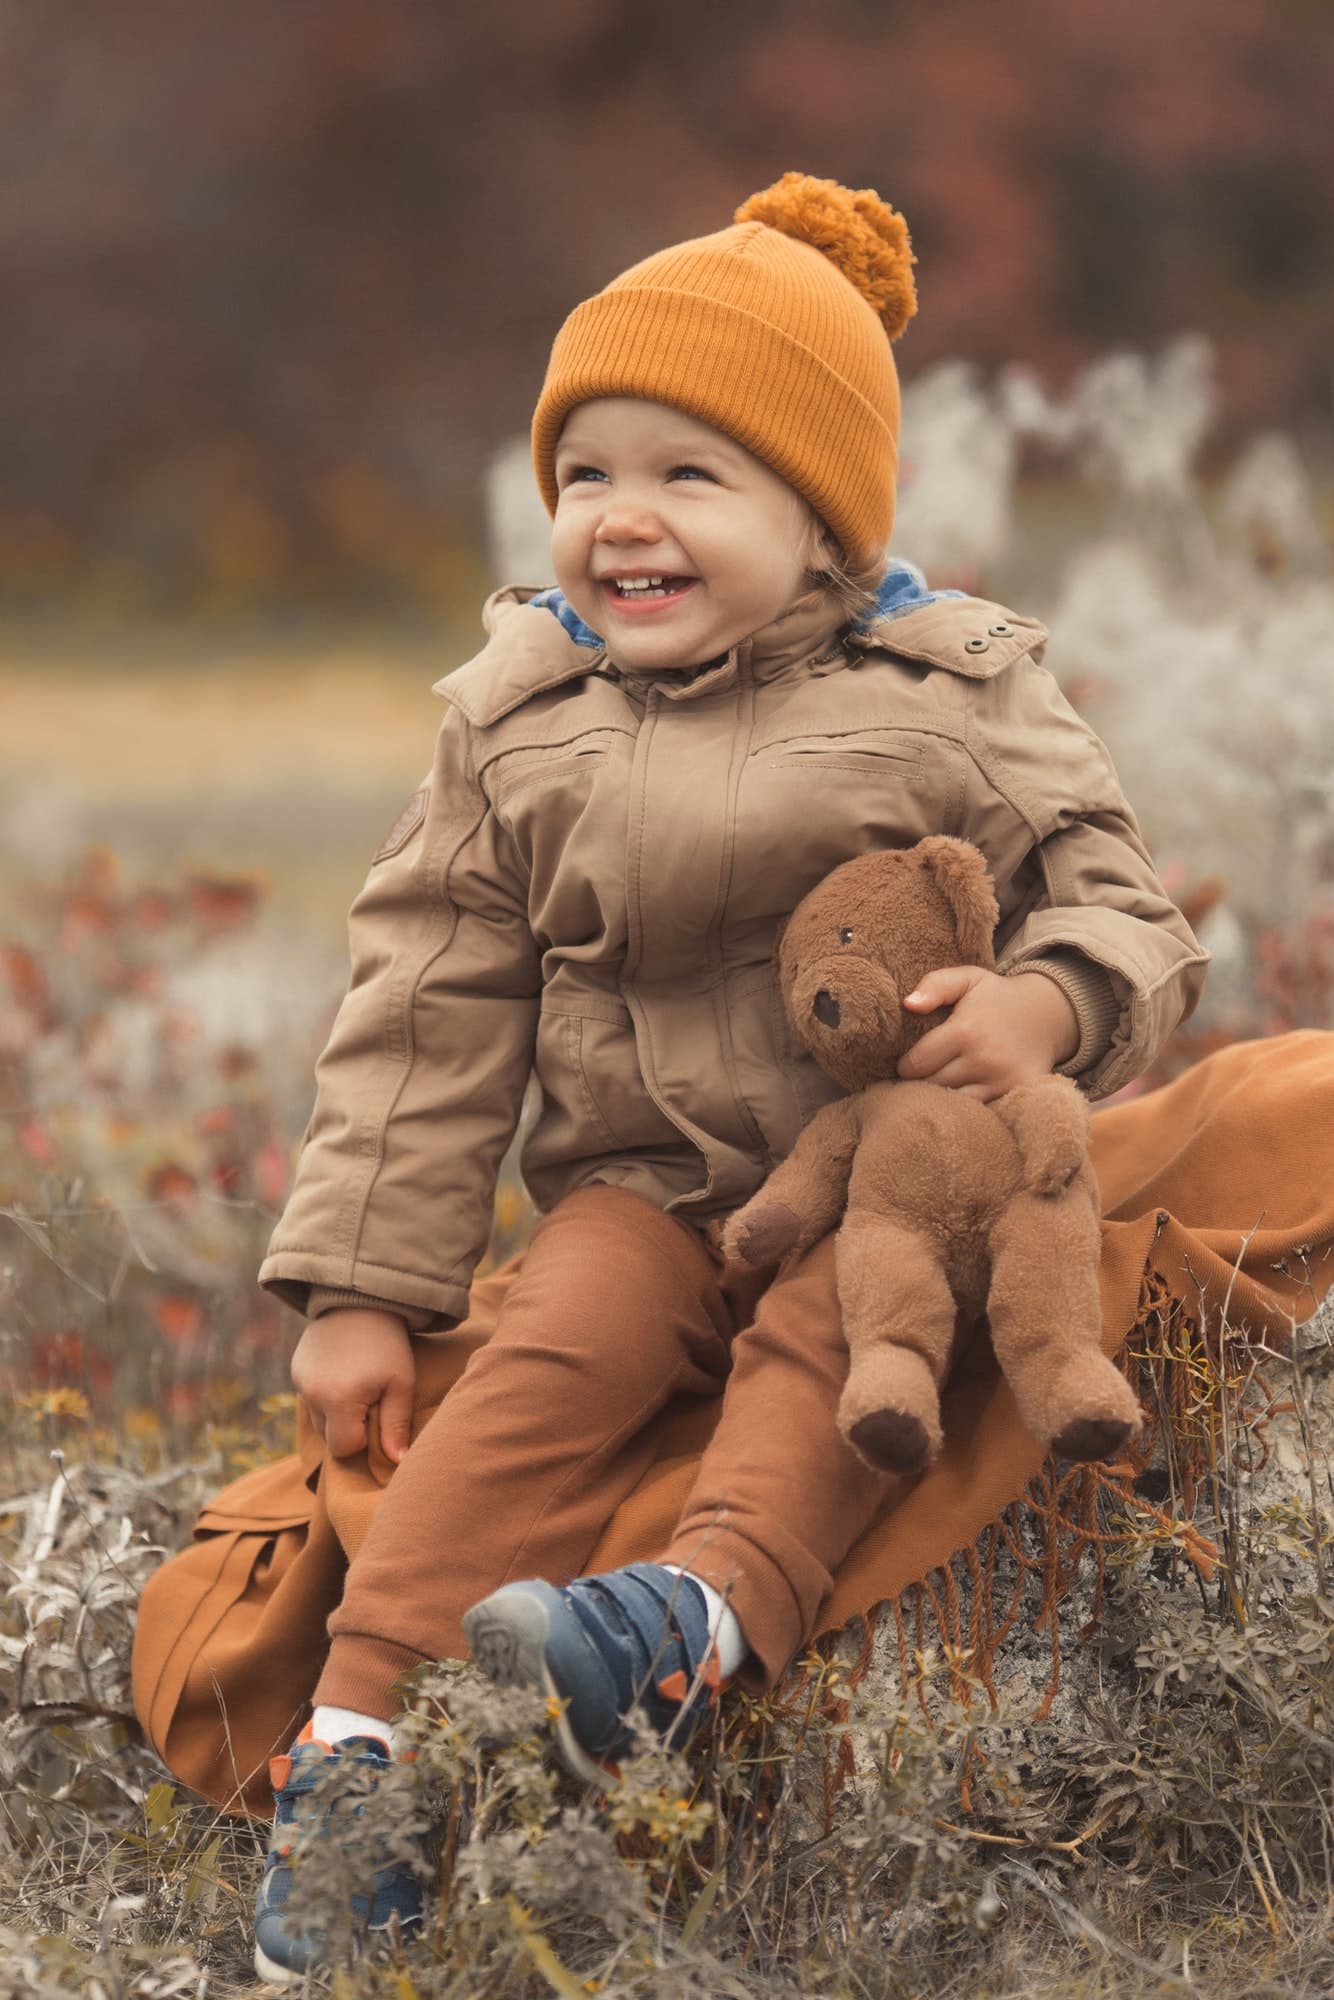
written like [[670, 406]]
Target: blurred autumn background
[[280, 285], [278, 279]]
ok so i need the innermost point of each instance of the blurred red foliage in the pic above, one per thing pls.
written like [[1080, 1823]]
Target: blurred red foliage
[[137, 1183], [279, 278]]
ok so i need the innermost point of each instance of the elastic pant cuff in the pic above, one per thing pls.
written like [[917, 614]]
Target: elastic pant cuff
[[360, 1673], [758, 1592]]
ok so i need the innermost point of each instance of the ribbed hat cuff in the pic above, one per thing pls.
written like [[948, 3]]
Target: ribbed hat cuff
[[694, 353]]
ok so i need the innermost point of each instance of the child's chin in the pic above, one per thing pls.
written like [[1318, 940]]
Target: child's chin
[[664, 659], [668, 651]]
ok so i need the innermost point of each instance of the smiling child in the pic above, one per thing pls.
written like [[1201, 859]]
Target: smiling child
[[730, 691]]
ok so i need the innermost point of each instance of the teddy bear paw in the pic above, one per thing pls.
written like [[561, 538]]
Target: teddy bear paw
[[891, 1441], [765, 1236], [1052, 1172], [1090, 1438]]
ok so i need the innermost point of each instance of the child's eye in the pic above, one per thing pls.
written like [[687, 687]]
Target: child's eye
[[578, 472], [689, 472]]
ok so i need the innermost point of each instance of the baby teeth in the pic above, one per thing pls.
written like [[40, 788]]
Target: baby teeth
[[641, 586]]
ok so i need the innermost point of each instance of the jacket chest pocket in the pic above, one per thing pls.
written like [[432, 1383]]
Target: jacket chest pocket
[[519, 769], [895, 754]]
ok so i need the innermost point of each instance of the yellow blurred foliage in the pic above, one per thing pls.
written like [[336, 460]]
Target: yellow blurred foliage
[[63, 1405]]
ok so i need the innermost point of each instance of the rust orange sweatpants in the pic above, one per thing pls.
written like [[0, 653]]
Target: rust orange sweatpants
[[617, 1309]]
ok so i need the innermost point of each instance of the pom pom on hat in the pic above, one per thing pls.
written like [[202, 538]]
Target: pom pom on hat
[[861, 235]]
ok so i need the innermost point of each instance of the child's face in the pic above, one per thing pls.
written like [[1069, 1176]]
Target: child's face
[[647, 491]]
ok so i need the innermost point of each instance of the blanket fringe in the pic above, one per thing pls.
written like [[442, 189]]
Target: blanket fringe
[[1206, 1398]]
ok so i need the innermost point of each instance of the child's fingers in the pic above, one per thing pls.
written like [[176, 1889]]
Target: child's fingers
[[924, 1061], [396, 1422], [943, 988], [963, 1073], [345, 1429]]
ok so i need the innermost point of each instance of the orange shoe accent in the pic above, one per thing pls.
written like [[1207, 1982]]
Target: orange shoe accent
[[675, 1686], [280, 1768]]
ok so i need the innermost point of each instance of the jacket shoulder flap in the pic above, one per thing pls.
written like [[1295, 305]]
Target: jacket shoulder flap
[[528, 651], [966, 635]]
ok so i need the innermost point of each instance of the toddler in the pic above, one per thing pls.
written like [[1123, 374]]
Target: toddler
[[729, 692]]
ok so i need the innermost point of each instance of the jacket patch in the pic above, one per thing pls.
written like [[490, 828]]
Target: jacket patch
[[411, 817]]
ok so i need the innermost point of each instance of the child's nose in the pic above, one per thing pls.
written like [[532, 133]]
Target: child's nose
[[622, 521]]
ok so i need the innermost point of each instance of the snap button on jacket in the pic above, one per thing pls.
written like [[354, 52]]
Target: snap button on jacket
[[589, 891]]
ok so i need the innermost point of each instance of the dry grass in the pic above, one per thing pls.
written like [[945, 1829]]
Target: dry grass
[[1176, 1839]]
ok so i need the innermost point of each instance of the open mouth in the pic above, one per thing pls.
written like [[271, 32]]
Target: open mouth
[[647, 593]]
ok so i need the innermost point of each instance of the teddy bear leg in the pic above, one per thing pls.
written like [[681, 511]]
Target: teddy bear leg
[[1045, 1316], [803, 1198], [898, 1320]]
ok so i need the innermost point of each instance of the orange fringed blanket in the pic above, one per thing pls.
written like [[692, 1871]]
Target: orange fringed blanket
[[1218, 1197]]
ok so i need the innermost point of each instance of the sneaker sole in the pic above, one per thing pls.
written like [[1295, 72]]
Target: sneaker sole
[[287, 1975], [507, 1637], [274, 1974]]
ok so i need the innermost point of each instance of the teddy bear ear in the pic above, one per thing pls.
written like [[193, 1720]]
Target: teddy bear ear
[[783, 923], [961, 874]]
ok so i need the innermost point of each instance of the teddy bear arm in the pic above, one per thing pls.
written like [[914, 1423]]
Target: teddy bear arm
[[1049, 1119], [804, 1197]]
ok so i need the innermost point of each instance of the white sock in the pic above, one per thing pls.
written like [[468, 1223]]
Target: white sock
[[724, 1625], [331, 1725]]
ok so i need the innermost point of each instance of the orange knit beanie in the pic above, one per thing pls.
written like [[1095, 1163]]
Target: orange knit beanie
[[776, 331]]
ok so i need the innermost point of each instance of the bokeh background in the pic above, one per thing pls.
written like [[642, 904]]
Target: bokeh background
[[280, 285], [279, 278], [279, 281]]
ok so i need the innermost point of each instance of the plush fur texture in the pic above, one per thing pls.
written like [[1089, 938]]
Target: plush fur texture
[[946, 1209], [855, 229]]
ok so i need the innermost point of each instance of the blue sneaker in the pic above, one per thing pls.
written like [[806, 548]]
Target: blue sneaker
[[602, 1646], [286, 1947]]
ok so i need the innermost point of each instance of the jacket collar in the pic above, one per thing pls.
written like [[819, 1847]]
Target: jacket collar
[[536, 641], [973, 636]]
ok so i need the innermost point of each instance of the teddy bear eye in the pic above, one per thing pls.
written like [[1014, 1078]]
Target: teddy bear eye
[[845, 937]]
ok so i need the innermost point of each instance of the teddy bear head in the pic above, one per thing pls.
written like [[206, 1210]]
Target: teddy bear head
[[863, 938]]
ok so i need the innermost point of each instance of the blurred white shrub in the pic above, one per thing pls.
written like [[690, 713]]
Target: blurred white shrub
[[518, 528], [956, 476], [1221, 721], [1132, 423], [1268, 508], [263, 990]]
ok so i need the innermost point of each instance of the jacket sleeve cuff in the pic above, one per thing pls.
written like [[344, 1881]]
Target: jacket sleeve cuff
[[1092, 994], [294, 1275], [326, 1298]]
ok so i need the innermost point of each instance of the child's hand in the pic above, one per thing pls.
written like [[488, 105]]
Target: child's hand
[[1002, 1032], [345, 1362]]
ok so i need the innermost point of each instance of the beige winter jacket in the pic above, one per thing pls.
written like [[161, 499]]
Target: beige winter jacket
[[589, 882]]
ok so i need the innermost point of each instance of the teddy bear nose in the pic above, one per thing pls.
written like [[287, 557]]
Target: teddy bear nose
[[826, 1008]]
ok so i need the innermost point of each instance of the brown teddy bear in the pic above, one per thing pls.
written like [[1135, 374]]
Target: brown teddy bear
[[946, 1208]]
